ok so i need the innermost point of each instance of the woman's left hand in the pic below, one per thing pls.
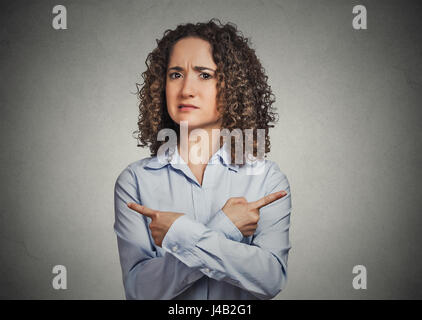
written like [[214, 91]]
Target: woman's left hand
[[161, 221]]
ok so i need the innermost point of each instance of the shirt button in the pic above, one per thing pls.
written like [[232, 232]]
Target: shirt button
[[174, 249]]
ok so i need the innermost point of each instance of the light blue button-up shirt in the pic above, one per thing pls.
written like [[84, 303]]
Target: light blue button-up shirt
[[203, 255]]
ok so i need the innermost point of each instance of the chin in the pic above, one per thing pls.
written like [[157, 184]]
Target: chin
[[192, 121]]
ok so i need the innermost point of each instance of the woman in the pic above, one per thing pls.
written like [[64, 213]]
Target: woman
[[207, 229]]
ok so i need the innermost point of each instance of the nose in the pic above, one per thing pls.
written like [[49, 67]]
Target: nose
[[188, 88]]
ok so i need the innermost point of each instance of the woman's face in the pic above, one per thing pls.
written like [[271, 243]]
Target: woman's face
[[191, 80]]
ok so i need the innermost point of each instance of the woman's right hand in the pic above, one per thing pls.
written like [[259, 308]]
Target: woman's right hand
[[245, 215]]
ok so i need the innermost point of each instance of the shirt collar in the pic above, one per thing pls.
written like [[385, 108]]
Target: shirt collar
[[173, 158]]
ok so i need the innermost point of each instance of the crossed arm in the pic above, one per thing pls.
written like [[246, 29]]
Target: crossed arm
[[195, 249]]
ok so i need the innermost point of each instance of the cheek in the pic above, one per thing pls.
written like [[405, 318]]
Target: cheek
[[213, 98], [169, 100], [168, 92], [171, 88]]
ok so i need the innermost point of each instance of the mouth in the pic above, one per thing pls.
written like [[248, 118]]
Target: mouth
[[187, 107]]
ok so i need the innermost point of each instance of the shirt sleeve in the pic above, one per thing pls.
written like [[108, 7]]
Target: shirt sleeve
[[146, 275], [261, 267], [221, 223]]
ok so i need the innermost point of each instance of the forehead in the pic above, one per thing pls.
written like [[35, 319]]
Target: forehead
[[191, 50]]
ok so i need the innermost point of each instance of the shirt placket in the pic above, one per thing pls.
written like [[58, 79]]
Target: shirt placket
[[198, 203]]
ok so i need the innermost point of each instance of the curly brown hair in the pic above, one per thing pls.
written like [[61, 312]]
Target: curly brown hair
[[244, 98]]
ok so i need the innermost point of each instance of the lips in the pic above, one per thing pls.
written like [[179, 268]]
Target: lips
[[187, 106]]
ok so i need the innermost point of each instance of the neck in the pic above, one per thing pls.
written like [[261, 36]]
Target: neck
[[197, 147]]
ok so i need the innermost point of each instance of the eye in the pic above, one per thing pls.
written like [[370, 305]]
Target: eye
[[172, 74], [208, 76]]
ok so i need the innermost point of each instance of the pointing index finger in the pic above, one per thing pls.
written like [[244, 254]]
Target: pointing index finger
[[141, 209], [258, 204]]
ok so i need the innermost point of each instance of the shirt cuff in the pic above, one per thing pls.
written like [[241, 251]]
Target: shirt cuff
[[181, 238], [220, 222]]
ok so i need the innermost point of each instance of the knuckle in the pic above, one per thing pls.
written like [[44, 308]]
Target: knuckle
[[254, 217]]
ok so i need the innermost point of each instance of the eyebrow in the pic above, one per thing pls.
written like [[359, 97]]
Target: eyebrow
[[197, 68]]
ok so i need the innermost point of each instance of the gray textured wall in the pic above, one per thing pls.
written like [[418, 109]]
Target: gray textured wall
[[349, 138]]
